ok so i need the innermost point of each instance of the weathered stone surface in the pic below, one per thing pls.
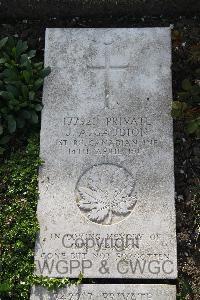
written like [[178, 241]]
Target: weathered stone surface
[[106, 205], [109, 292]]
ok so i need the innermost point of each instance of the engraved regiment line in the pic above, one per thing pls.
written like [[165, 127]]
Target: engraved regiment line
[[107, 67]]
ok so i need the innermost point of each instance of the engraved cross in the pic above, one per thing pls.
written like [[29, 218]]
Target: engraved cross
[[107, 67]]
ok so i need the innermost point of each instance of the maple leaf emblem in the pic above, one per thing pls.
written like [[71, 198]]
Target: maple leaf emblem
[[106, 192]]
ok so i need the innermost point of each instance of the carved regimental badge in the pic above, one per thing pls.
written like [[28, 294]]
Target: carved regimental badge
[[105, 193]]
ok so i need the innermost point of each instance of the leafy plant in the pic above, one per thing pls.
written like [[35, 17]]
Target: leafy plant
[[19, 225], [20, 81], [185, 290], [187, 106], [18, 221], [53, 284], [187, 103]]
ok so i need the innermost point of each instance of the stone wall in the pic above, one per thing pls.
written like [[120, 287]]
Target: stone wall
[[37, 9]]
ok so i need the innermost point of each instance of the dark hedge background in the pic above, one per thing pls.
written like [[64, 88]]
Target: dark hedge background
[[36, 9]]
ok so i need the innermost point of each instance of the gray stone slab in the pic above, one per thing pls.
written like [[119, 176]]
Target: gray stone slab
[[106, 205], [109, 292]]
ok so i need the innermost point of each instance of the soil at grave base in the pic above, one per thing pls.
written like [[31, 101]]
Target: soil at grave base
[[187, 153]]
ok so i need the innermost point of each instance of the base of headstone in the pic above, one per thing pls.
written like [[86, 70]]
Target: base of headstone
[[108, 292]]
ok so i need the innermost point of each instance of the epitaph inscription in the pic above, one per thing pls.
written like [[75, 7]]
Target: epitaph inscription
[[106, 206]]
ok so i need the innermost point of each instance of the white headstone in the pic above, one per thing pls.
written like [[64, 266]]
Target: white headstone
[[106, 205], [109, 292]]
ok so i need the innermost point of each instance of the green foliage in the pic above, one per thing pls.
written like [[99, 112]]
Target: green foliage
[[21, 79], [19, 226], [185, 290], [53, 284], [187, 106], [188, 98], [18, 200]]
